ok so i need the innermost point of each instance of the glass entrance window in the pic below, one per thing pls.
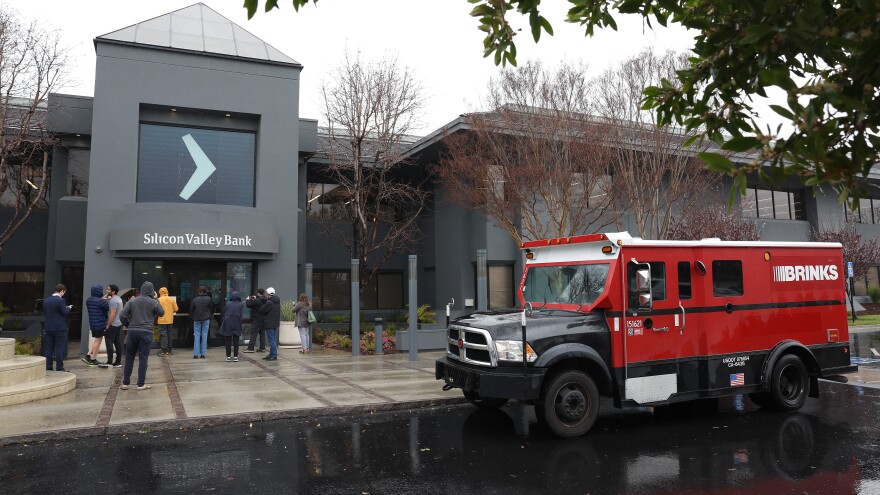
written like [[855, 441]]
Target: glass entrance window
[[147, 271]]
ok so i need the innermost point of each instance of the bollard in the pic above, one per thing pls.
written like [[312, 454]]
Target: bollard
[[413, 317], [377, 331], [355, 308]]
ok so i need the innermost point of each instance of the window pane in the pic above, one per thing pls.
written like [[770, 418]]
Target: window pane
[[167, 158], [864, 214], [78, 173], [765, 203], [727, 278], [390, 290], [780, 205], [28, 288], [565, 284], [797, 205], [317, 291], [749, 204], [146, 271], [658, 282], [684, 280], [240, 277], [336, 293], [7, 289], [500, 287], [368, 294]]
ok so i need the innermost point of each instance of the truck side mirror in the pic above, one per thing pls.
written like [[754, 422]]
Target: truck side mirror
[[643, 286]]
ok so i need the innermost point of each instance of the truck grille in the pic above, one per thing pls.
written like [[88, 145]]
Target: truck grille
[[470, 345]]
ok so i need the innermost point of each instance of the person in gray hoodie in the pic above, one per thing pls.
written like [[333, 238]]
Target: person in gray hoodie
[[139, 315]]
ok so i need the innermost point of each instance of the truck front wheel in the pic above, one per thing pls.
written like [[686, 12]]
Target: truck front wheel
[[484, 402], [789, 383], [569, 404]]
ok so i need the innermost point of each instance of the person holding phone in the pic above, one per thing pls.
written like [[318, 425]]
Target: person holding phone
[[55, 311]]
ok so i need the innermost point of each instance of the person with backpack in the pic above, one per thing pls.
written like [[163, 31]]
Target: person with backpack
[[301, 309]]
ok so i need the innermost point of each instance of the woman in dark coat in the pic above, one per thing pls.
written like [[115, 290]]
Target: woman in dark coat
[[230, 328]]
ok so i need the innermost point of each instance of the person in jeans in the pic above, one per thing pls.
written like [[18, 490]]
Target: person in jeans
[[258, 327], [98, 308], [201, 309], [139, 315], [271, 311], [113, 335], [230, 326], [301, 310], [55, 312], [169, 305]]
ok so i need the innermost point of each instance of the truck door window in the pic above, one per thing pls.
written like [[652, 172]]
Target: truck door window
[[658, 282], [727, 278], [684, 280]]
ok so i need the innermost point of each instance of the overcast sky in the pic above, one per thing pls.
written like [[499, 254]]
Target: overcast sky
[[437, 39]]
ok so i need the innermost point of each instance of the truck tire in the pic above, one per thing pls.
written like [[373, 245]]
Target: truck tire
[[484, 402], [569, 404], [789, 383]]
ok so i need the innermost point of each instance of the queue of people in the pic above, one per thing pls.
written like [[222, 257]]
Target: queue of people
[[108, 315]]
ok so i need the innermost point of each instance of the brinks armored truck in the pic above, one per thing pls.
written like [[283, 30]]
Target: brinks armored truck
[[650, 323]]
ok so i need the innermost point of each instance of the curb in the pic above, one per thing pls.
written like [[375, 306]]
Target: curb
[[221, 420]]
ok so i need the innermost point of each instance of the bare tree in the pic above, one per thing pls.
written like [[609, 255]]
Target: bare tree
[[370, 108], [713, 220], [536, 164], [32, 64], [655, 175], [863, 253]]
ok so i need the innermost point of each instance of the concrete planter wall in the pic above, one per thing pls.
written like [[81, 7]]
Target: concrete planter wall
[[288, 334], [430, 337]]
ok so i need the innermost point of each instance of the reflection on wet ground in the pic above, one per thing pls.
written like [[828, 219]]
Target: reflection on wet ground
[[832, 446]]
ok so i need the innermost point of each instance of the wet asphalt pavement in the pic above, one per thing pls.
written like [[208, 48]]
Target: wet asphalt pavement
[[830, 446]]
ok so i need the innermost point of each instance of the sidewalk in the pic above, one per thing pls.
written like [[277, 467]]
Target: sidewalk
[[193, 393]]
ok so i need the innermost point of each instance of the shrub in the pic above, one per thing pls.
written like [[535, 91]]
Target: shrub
[[287, 313], [28, 346], [339, 319], [874, 294], [368, 343], [424, 314], [335, 340]]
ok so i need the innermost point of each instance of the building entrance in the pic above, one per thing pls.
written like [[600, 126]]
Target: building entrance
[[183, 279]]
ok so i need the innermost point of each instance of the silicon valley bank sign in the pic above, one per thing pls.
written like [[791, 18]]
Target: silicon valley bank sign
[[193, 240]]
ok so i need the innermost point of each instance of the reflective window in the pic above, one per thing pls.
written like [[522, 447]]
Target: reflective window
[[658, 282], [684, 280], [868, 212], [146, 271], [20, 290], [565, 284], [771, 203], [727, 278], [191, 165]]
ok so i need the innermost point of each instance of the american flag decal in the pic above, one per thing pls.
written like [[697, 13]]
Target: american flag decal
[[737, 380]]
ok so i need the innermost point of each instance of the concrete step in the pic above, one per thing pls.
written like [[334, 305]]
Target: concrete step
[[7, 348], [53, 384], [22, 369]]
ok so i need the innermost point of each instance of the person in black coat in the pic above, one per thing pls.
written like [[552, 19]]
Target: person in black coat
[[201, 309], [55, 311], [271, 312], [258, 326], [230, 327]]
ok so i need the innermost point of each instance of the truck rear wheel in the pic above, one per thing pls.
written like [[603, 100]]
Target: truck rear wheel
[[569, 404], [484, 402], [789, 383]]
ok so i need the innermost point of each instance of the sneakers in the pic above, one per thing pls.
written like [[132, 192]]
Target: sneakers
[[235, 359], [86, 360], [202, 357], [229, 359], [261, 350], [195, 357], [103, 365], [164, 353], [117, 365], [248, 350]]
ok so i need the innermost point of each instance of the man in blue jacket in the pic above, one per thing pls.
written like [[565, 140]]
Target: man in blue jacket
[[98, 308], [55, 311]]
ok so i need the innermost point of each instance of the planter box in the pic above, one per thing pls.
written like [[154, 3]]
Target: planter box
[[428, 338], [288, 335]]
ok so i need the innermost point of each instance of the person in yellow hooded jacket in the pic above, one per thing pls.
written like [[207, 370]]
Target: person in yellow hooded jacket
[[169, 304]]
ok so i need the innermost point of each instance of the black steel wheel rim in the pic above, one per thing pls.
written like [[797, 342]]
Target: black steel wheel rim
[[571, 403]]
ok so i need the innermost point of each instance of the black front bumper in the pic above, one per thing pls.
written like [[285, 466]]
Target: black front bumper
[[507, 382]]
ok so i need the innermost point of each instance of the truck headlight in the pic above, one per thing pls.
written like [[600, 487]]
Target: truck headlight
[[511, 350]]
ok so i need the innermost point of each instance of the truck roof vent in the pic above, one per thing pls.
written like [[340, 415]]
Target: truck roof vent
[[711, 239]]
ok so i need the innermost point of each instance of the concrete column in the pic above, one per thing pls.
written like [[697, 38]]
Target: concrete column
[[355, 308], [413, 305], [482, 281]]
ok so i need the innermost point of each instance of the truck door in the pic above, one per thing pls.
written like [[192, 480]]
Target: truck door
[[653, 338]]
